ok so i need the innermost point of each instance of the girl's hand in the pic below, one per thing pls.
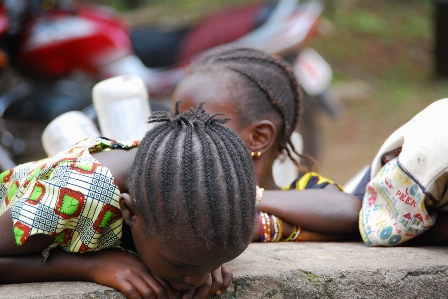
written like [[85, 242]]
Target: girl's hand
[[126, 273], [219, 280]]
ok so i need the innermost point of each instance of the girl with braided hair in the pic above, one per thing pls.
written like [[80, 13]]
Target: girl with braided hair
[[153, 219], [263, 96]]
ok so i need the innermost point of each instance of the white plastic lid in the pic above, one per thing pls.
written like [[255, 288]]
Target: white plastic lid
[[122, 107]]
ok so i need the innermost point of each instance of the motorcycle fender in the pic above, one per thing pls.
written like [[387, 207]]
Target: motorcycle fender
[[314, 73], [4, 22]]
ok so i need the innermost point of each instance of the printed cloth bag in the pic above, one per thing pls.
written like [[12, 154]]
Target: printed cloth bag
[[408, 180]]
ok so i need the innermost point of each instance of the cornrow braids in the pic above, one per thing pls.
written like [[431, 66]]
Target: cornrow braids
[[272, 89], [193, 181]]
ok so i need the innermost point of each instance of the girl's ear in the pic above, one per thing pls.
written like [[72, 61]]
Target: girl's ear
[[262, 136], [128, 208]]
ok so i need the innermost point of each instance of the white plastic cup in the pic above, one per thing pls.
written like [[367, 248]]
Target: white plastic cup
[[67, 129], [122, 107]]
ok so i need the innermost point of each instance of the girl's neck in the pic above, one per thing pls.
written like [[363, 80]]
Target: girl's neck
[[126, 238], [269, 183], [265, 177]]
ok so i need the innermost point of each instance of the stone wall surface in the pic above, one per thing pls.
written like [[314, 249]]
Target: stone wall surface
[[301, 270]]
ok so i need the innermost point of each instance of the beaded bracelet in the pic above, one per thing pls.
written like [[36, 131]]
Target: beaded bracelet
[[278, 228], [280, 234], [264, 234], [275, 223], [294, 231], [258, 195], [268, 225], [268, 232], [295, 235]]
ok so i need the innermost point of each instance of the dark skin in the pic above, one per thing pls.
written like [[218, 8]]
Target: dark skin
[[161, 270], [324, 215]]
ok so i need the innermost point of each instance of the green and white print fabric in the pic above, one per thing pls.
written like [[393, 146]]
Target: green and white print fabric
[[69, 196]]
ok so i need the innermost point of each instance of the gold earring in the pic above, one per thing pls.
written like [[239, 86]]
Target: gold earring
[[255, 154]]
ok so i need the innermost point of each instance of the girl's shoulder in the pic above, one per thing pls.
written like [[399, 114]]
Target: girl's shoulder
[[77, 155], [69, 194]]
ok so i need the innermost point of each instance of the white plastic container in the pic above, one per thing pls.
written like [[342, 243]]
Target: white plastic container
[[67, 129], [284, 169], [122, 107]]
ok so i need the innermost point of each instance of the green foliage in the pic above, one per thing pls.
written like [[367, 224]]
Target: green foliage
[[385, 43]]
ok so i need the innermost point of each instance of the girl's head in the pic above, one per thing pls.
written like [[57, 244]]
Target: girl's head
[[192, 196], [259, 90]]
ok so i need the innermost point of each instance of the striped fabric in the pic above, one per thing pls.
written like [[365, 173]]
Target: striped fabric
[[311, 180]]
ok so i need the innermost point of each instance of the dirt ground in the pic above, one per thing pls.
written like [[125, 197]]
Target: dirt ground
[[346, 149]]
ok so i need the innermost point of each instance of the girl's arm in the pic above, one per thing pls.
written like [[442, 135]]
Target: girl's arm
[[115, 268], [320, 212]]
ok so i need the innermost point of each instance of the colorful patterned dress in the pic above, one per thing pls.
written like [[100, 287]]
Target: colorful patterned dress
[[69, 196]]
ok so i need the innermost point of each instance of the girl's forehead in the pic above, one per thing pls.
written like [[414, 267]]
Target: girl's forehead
[[218, 92], [217, 81]]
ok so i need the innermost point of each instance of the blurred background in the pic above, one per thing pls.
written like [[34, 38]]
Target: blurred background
[[384, 67], [382, 54]]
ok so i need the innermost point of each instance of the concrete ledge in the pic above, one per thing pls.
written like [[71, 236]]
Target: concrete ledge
[[302, 270]]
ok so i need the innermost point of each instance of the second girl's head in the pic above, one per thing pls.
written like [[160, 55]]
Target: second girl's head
[[259, 91], [191, 205]]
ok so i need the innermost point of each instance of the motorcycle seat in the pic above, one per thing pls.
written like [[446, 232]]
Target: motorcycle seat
[[158, 47]]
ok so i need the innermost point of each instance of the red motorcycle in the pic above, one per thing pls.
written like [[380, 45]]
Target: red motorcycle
[[55, 51]]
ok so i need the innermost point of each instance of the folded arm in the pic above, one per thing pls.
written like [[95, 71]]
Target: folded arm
[[323, 214], [115, 268]]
